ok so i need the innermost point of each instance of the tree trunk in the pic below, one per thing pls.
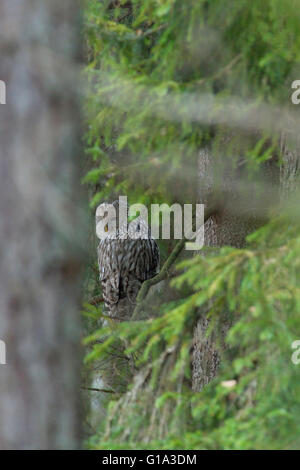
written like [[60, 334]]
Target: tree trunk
[[290, 165], [39, 227], [242, 214]]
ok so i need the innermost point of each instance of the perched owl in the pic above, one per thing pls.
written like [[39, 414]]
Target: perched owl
[[125, 260]]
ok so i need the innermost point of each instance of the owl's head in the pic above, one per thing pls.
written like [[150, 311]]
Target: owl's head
[[110, 217]]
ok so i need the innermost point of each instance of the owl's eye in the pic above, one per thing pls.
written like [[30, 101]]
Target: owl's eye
[[106, 228]]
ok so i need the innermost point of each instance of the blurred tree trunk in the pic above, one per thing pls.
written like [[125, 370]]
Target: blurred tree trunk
[[39, 225]]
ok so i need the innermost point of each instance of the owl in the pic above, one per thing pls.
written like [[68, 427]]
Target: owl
[[126, 259]]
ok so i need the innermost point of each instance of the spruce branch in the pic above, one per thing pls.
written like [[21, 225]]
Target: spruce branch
[[164, 273]]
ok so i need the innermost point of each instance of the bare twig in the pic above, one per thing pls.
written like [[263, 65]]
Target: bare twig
[[98, 299], [104, 390], [219, 74]]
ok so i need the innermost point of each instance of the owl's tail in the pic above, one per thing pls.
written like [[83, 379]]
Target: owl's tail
[[120, 297]]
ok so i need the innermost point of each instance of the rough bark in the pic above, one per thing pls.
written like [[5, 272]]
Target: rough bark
[[39, 228], [290, 165]]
